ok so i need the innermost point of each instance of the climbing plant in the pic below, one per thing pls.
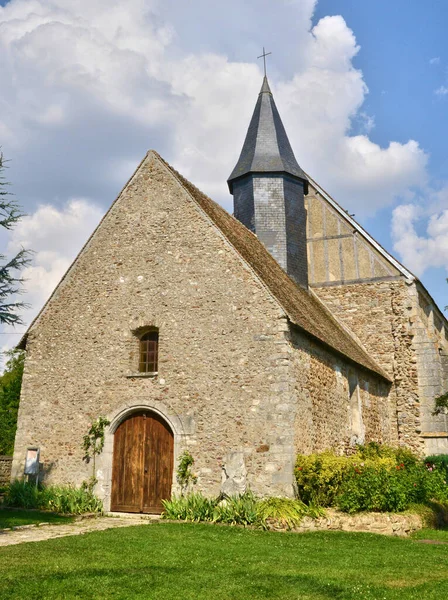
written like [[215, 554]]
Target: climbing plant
[[440, 404], [184, 474], [93, 443]]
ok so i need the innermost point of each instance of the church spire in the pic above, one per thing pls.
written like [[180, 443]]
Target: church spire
[[268, 188], [266, 148]]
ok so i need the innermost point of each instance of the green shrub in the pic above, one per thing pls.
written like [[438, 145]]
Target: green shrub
[[60, 499], [375, 478], [319, 476], [438, 461], [434, 514], [375, 451], [390, 490]]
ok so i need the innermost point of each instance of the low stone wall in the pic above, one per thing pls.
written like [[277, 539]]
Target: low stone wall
[[5, 469], [384, 523]]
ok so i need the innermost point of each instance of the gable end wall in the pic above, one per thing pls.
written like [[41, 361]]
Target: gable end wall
[[223, 374]]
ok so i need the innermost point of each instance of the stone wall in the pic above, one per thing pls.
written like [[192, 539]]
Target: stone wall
[[430, 343], [379, 313], [338, 406], [5, 469], [399, 324], [222, 385], [382, 523]]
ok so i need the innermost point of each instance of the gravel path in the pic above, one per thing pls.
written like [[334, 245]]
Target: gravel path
[[39, 533]]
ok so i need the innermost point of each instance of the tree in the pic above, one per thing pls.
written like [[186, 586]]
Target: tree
[[10, 385], [10, 283]]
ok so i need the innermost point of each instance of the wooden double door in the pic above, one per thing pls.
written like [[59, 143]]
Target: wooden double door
[[142, 469]]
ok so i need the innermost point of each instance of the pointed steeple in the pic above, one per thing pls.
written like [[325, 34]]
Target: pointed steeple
[[266, 148], [268, 188]]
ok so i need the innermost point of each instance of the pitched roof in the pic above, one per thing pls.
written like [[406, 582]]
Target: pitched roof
[[303, 307], [266, 148]]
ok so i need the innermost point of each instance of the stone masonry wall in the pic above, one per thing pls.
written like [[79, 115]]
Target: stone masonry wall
[[223, 359], [431, 350], [328, 416], [398, 322], [5, 469], [380, 314]]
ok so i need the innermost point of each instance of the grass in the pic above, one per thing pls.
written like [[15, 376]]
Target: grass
[[432, 534], [13, 518], [170, 561]]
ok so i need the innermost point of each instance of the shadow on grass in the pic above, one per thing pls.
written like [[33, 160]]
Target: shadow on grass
[[180, 583]]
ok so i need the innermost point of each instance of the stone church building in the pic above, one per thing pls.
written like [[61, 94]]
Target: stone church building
[[243, 339]]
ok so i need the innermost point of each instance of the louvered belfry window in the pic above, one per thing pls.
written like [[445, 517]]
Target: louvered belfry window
[[149, 349]]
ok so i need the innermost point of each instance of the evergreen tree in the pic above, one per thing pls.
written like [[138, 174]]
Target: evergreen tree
[[10, 282], [10, 385]]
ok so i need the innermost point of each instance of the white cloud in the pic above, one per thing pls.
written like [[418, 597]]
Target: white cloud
[[88, 87], [441, 91], [435, 60], [102, 77], [320, 104], [420, 252], [55, 236]]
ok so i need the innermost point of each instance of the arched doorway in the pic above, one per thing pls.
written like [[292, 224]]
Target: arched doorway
[[142, 468]]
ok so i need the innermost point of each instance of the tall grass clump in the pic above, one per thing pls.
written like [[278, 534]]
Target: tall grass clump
[[71, 500], [287, 512], [20, 494], [237, 510], [60, 499], [191, 507], [245, 510]]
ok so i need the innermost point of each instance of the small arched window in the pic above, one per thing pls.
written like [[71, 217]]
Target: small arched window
[[149, 350]]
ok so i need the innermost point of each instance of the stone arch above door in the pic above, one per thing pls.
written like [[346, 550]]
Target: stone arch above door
[[142, 463], [183, 427]]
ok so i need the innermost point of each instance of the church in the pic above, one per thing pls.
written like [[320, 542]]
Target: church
[[244, 339]]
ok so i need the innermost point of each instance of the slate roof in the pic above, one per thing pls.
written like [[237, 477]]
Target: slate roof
[[266, 148], [303, 307]]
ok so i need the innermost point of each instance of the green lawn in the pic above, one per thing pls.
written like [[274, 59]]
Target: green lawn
[[432, 534], [189, 561], [11, 518]]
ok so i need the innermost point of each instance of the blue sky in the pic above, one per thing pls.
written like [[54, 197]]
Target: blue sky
[[404, 60], [88, 87], [398, 39]]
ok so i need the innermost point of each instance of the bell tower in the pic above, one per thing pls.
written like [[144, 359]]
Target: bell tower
[[268, 188]]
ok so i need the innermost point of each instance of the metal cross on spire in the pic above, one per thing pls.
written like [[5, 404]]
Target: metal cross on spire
[[264, 58]]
